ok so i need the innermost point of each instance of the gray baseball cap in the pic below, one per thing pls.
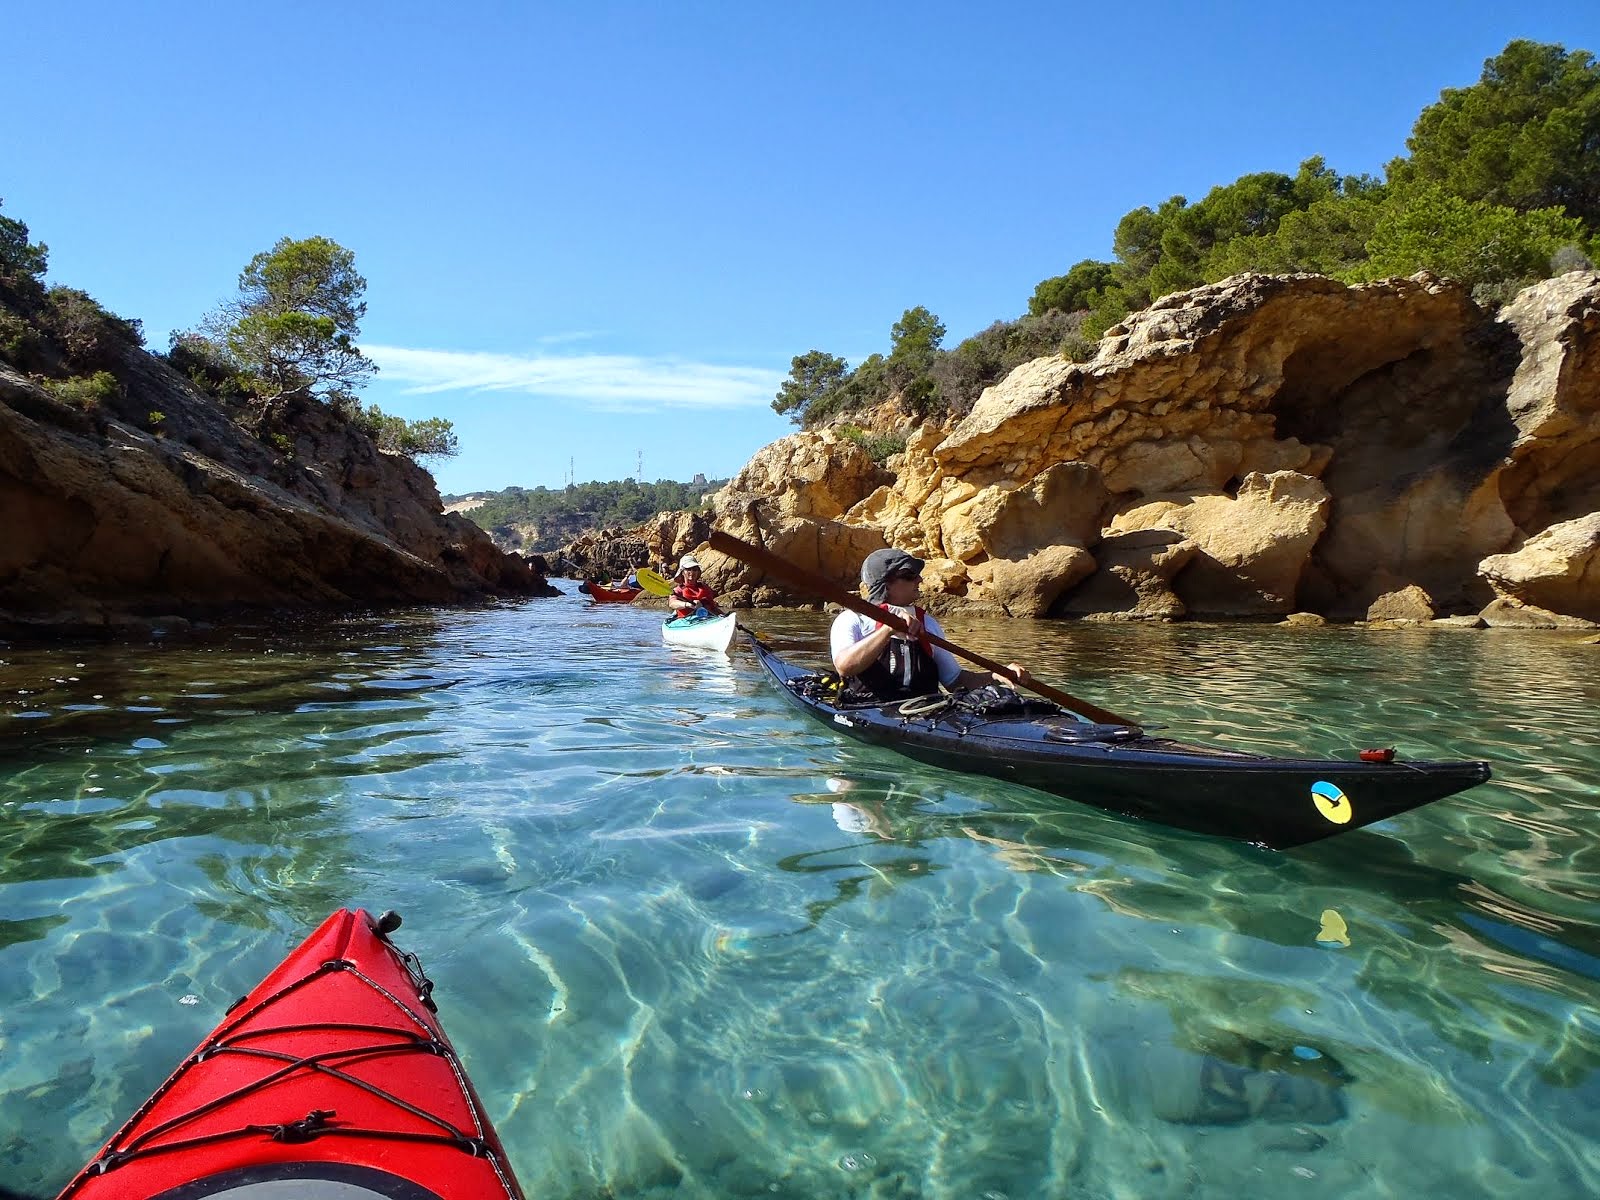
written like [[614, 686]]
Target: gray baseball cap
[[881, 565]]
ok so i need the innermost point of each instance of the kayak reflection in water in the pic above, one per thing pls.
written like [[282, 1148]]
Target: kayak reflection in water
[[884, 664], [862, 815]]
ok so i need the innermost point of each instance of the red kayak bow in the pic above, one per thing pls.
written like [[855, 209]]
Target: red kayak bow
[[332, 1078]]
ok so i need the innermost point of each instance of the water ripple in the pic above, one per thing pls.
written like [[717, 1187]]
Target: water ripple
[[693, 945]]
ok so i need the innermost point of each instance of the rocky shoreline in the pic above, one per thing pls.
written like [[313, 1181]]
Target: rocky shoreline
[[1268, 447], [1260, 447], [157, 507]]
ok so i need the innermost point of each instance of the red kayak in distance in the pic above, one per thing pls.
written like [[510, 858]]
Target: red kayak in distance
[[605, 595], [332, 1079]]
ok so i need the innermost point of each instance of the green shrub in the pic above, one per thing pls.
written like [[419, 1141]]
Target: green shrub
[[281, 442], [1077, 348], [878, 445], [1107, 311], [91, 337], [432, 437], [207, 365], [83, 391], [19, 341], [1570, 258], [22, 264], [156, 418], [1473, 241]]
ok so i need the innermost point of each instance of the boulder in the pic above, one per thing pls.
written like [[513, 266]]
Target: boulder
[[1134, 579], [1408, 603], [1030, 586], [1250, 548], [1305, 620], [944, 575], [1511, 613], [1559, 569]]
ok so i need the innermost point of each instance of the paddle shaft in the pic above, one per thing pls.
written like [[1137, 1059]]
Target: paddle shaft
[[758, 556]]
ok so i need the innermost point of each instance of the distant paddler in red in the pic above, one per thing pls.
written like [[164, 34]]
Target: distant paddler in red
[[690, 596]]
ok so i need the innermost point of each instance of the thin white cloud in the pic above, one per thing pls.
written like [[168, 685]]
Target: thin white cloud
[[577, 335], [609, 381]]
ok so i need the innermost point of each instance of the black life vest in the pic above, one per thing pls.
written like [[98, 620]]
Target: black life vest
[[905, 668]]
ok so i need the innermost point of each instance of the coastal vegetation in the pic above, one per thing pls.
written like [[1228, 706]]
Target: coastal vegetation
[[289, 333], [546, 518], [60, 334], [1500, 188], [293, 325], [292, 330]]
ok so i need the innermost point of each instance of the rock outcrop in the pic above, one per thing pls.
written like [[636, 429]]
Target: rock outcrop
[[1559, 569], [790, 498], [612, 553], [156, 502], [1261, 446]]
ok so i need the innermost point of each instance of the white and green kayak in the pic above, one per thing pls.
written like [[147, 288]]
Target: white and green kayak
[[707, 633]]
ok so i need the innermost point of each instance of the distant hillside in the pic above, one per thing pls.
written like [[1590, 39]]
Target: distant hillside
[[540, 520]]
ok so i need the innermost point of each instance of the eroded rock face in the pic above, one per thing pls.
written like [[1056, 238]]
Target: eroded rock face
[[1028, 587], [1559, 569], [1250, 548], [1060, 506], [1134, 582], [1554, 403], [789, 499], [107, 521], [1262, 445], [674, 534], [815, 474]]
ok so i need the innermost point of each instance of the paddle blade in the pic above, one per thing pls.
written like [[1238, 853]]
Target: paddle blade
[[653, 583]]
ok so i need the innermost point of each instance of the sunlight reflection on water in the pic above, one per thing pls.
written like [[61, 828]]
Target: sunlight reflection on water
[[691, 943]]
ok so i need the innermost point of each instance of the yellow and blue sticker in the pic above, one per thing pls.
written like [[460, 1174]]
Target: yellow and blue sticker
[[1333, 931], [1331, 802]]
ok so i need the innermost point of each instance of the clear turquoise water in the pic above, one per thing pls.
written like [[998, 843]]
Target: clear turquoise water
[[690, 943]]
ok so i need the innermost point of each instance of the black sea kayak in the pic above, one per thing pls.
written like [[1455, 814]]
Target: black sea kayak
[[1274, 802]]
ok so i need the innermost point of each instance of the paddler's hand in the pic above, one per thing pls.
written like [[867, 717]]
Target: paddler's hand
[[913, 627], [1019, 674]]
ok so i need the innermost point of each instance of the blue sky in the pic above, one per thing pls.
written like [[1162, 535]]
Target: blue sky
[[597, 230]]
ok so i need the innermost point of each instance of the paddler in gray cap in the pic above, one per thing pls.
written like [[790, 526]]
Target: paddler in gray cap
[[892, 665]]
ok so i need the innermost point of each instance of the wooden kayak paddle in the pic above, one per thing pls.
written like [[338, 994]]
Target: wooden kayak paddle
[[807, 581]]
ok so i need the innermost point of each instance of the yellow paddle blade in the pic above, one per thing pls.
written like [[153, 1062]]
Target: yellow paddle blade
[[653, 583]]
